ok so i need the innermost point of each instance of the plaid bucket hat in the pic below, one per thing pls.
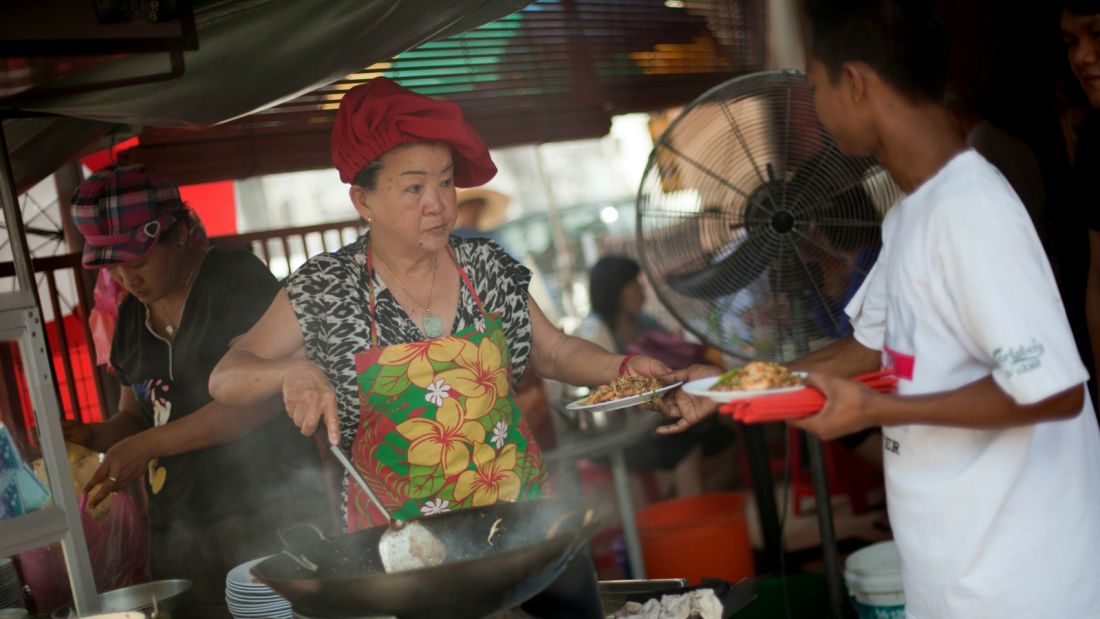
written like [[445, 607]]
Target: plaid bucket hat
[[121, 211]]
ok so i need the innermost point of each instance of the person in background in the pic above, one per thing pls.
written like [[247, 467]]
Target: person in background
[[617, 295], [1080, 26], [220, 479], [480, 212], [991, 424], [852, 251], [619, 323], [1011, 156]]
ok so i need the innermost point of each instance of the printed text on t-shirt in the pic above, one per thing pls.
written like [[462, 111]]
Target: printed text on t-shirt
[[1019, 359], [891, 445]]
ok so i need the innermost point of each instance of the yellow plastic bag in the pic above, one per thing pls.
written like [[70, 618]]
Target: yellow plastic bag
[[83, 463]]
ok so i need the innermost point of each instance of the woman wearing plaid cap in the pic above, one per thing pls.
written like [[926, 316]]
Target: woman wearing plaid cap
[[220, 479]]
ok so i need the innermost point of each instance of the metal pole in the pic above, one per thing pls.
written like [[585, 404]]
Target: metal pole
[[829, 553], [21, 256], [40, 380], [66, 179], [626, 509], [561, 242], [763, 487]]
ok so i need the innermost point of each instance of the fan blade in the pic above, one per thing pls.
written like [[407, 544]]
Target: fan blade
[[734, 272]]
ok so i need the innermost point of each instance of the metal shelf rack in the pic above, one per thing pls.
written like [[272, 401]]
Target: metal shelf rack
[[21, 321]]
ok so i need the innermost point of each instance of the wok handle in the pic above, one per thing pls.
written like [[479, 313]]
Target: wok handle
[[294, 543], [290, 536], [350, 468]]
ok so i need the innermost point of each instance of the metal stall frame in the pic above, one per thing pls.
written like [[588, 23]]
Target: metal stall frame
[[21, 321]]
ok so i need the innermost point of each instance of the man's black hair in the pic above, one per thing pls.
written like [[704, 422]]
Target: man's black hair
[[902, 40], [1082, 7]]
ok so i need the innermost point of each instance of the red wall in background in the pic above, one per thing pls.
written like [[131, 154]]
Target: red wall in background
[[216, 205]]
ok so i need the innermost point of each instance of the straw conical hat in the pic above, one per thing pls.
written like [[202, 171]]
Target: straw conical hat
[[496, 207]]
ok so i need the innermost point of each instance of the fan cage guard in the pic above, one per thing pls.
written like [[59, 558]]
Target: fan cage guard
[[752, 227]]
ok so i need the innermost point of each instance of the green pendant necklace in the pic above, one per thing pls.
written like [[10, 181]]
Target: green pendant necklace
[[431, 325]]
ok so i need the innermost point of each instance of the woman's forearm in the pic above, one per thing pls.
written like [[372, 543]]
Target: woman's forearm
[[242, 378], [213, 424], [103, 436], [579, 362], [568, 359], [258, 361]]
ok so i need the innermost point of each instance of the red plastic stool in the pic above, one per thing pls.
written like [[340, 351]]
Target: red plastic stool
[[846, 473]]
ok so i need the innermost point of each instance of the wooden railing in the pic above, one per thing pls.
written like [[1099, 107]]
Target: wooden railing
[[285, 258], [73, 371], [282, 250]]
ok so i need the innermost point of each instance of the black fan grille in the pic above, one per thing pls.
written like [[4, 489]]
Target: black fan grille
[[753, 228]]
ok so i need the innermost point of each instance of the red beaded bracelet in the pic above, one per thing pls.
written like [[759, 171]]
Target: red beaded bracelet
[[626, 360]]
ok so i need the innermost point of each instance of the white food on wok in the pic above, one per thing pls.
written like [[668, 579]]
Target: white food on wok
[[411, 547], [493, 530]]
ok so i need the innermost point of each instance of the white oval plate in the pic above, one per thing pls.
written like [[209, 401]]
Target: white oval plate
[[614, 405], [702, 388], [242, 575]]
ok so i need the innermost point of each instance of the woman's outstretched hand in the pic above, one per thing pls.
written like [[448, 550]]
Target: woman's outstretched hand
[[308, 396], [678, 404], [686, 409], [643, 365]]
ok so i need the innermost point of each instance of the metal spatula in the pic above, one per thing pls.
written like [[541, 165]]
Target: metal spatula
[[406, 544]]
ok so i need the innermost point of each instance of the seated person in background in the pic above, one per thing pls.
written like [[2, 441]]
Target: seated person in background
[[618, 323], [617, 296], [852, 250], [221, 479]]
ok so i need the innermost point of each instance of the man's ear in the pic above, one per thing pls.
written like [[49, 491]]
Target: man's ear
[[854, 75], [361, 200]]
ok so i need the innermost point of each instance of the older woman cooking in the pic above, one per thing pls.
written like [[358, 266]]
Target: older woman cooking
[[407, 342]]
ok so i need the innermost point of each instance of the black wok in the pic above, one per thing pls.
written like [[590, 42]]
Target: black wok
[[531, 547]]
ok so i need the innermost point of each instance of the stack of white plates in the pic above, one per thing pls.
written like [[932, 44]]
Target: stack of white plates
[[249, 598], [11, 590]]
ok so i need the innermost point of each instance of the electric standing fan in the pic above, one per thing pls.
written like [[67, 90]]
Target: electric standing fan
[[752, 227]]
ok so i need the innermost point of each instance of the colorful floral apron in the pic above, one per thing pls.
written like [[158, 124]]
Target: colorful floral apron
[[439, 429]]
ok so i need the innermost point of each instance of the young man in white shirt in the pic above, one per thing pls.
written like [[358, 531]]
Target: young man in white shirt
[[991, 448]]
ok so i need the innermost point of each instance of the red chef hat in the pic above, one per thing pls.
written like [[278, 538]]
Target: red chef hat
[[379, 115]]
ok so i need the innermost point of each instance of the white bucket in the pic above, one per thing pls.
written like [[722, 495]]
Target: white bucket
[[873, 575]]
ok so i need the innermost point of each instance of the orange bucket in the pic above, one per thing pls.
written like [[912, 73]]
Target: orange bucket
[[696, 537]]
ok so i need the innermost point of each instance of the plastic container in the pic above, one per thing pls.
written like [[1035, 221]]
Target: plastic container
[[697, 537], [873, 576]]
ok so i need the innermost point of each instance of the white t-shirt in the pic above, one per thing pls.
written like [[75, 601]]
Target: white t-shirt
[[990, 523]]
